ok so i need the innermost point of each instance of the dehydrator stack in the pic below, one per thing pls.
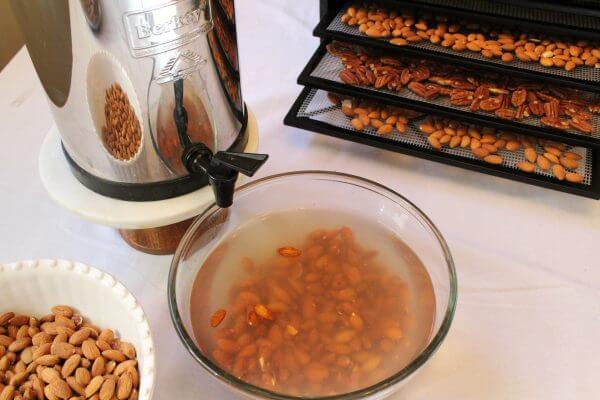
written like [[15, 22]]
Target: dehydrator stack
[[506, 88]]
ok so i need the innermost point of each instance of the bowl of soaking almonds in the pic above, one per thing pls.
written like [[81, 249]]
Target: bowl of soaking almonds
[[313, 285]]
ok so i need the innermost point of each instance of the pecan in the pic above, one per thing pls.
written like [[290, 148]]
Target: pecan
[[461, 84], [519, 97], [555, 123], [420, 73], [417, 88], [394, 83], [475, 104], [441, 80], [394, 62], [576, 112], [491, 104], [574, 102], [371, 77], [535, 105], [405, 76], [432, 91], [482, 92], [361, 74], [522, 112], [348, 77], [581, 125], [551, 109], [444, 91], [505, 113], [460, 97], [382, 81], [594, 108], [546, 97]]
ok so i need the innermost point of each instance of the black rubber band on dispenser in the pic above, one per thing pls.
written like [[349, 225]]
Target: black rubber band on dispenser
[[149, 191]]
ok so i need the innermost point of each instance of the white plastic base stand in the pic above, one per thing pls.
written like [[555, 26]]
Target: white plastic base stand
[[68, 192]]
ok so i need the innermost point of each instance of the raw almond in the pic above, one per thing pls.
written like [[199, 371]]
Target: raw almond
[[42, 350], [551, 157], [6, 340], [75, 386], [90, 350], [108, 389], [48, 360], [574, 178], [135, 376], [98, 366], [124, 386], [19, 344], [79, 336], [7, 393], [480, 152], [124, 366], [62, 350], [70, 365], [110, 367], [41, 338], [572, 156], [83, 376], [435, 143], [94, 386], [114, 355], [4, 318], [494, 159], [559, 172], [531, 155], [19, 320], [107, 335], [18, 378], [569, 163], [26, 355], [49, 375], [38, 386], [62, 310], [543, 162], [128, 350], [102, 345], [58, 388]]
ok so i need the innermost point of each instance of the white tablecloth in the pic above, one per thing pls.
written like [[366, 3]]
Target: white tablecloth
[[528, 319]]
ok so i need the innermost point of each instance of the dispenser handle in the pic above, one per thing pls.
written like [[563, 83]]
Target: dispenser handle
[[246, 163]]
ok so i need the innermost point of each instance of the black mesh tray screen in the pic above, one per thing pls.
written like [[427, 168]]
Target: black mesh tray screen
[[317, 107], [582, 73], [329, 68]]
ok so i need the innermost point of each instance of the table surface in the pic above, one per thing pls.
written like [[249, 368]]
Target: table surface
[[528, 319]]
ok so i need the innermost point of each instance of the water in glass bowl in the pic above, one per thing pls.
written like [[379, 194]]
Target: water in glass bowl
[[312, 303]]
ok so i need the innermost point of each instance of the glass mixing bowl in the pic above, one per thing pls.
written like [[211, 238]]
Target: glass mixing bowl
[[314, 190]]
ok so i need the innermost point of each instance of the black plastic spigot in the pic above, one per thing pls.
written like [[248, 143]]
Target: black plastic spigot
[[221, 168]]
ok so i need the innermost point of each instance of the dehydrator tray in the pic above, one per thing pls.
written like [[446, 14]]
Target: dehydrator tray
[[314, 111], [323, 71], [585, 78], [562, 14]]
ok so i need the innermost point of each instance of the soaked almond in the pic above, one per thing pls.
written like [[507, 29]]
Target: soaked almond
[[288, 251], [217, 318]]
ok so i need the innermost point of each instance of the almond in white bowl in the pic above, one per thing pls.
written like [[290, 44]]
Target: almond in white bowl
[[67, 330]]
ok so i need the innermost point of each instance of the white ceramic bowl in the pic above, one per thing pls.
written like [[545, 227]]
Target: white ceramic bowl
[[32, 287]]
